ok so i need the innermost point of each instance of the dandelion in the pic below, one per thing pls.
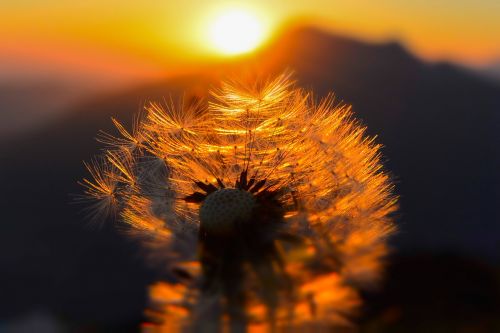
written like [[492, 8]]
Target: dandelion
[[267, 210]]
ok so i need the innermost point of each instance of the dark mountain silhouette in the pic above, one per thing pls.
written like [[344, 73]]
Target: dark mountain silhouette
[[439, 125]]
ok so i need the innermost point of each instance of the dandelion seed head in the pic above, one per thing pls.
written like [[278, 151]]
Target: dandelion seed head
[[282, 202]]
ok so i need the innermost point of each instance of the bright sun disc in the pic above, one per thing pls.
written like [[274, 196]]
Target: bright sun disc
[[236, 31]]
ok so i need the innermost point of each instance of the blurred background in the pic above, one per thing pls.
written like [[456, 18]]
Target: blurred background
[[422, 75]]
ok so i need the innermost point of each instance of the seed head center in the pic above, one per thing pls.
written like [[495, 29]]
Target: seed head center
[[223, 208]]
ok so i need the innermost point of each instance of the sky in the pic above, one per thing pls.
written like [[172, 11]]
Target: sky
[[147, 36]]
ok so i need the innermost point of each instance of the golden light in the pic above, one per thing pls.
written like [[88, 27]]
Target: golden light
[[236, 31]]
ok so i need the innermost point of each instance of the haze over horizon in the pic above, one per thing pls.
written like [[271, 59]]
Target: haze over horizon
[[36, 92], [147, 39]]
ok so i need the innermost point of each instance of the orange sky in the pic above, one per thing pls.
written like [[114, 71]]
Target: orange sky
[[148, 36]]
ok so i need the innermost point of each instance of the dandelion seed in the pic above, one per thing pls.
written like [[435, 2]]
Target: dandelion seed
[[271, 211], [128, 142], [102, 192]]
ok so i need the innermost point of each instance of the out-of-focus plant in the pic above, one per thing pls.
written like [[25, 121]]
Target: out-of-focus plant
[[268, 211]]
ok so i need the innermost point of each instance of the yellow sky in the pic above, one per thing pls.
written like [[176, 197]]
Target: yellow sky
[[153, 33]]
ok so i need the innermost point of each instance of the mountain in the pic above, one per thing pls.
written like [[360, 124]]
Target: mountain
[[439, 125]]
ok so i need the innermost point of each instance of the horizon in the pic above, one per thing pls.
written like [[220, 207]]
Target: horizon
[[154, 39], [37, 92], [115, 72]]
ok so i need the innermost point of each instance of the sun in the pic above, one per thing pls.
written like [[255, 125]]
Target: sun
[[236, 31]]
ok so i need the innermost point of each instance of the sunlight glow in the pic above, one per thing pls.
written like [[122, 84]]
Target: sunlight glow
[[236, 32]]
